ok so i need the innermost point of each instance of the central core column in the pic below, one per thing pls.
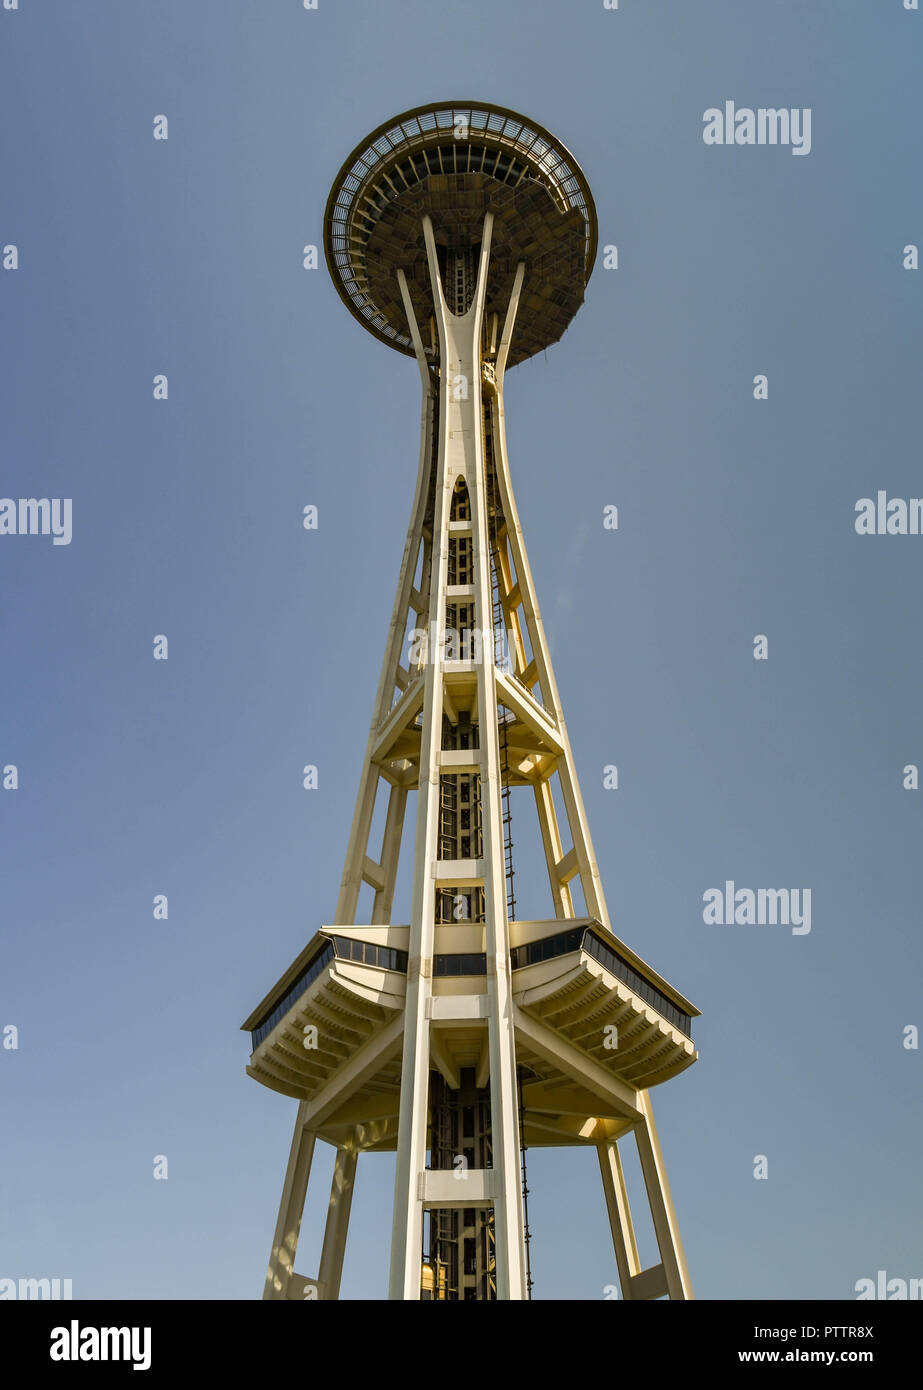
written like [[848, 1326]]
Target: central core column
[[459, 865]]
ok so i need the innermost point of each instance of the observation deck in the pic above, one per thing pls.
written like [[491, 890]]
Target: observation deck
[[593, 1021], [456, 161]]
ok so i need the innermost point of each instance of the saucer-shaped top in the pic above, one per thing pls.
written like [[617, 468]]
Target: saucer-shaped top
[[456, 161]]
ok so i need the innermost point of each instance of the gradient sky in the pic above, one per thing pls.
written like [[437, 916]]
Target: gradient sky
[[736, 517]]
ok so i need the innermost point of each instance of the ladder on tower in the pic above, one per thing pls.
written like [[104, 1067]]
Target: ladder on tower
[[527, 1234], [494, 516], [507, 821]]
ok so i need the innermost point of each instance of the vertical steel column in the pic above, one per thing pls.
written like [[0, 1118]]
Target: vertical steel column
[[288, 1225], [334, 1248], [460, 453]]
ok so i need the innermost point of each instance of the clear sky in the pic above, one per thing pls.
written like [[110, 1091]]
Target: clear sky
[[736, 518]]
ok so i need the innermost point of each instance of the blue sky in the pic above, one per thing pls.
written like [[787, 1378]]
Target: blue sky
[[183, 777]]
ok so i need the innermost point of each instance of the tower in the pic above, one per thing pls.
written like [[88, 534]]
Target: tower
[[463, 235]]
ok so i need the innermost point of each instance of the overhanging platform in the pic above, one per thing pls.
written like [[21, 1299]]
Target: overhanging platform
[[594, 1025]]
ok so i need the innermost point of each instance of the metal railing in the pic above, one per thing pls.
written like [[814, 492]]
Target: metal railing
[[588, 940], [456, 964]]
